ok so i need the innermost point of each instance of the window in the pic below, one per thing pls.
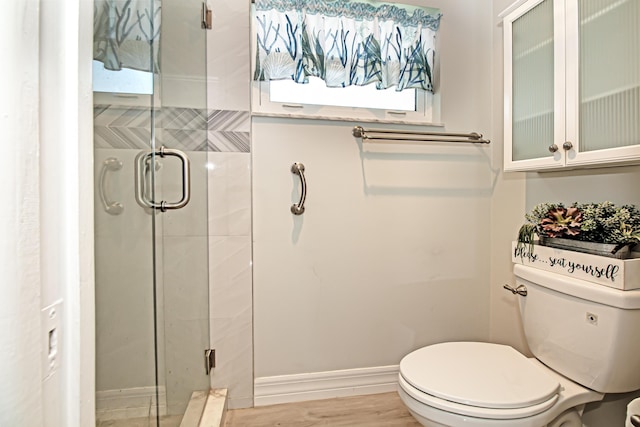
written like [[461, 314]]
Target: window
[[316, 92], [124, 80], [315, 100]]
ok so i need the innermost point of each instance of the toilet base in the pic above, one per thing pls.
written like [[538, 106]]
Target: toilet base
[[570, 418], [433, 417]]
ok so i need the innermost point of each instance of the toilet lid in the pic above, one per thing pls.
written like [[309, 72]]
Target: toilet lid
[[478, 374]]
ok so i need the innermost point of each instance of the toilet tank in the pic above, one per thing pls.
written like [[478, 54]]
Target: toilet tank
[[587, 332]]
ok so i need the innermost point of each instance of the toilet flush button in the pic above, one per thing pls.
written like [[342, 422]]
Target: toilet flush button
[[592, 318]]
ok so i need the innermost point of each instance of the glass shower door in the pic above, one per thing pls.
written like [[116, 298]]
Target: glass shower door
[[151, 210]]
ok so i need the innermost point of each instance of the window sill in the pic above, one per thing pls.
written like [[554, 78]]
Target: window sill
[[343, 119]]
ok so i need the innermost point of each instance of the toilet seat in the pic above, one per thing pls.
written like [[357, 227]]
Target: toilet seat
[[475, 411], [481, 380]]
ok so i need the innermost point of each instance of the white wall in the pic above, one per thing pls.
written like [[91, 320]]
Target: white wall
[[507, 207], [20, 339], [46, 174], [393, 250], [67, 203]]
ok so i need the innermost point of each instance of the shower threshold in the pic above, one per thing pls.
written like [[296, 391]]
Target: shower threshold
[[205, 409]]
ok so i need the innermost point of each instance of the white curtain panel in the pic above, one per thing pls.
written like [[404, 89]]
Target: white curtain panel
[[346, 42], [126, 34]]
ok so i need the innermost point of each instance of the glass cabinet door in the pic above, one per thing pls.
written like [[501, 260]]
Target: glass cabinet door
[[533, 88], [609, 74], [572, 84]]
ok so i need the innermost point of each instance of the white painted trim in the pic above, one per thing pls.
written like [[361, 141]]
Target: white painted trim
[[343, 119], [325, 385], [511, 8], [133, 402]]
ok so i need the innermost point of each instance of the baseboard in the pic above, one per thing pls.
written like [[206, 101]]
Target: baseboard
[[129, 403], [325, 385]]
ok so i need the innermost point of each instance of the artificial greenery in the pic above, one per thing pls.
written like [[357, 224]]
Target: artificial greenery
[[590, 222]]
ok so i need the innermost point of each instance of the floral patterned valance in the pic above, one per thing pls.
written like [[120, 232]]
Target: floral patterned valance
[[346, 42], [126, 34]]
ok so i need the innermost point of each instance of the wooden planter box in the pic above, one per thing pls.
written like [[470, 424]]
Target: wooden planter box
[[621, 274]]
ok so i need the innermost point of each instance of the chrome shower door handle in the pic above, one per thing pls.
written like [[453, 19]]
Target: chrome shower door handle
[[186, 178], [298, 208], [143, 164], [110, 164]]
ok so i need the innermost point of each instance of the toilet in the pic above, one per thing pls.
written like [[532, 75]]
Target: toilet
[[585, 343]]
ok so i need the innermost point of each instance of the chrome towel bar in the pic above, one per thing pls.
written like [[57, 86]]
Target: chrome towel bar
[[401, 135]]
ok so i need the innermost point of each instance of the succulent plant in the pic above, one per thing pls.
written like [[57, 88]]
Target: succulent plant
[[591, 222], [561, 222]]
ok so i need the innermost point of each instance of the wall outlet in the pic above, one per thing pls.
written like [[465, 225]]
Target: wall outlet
[[51, 321]]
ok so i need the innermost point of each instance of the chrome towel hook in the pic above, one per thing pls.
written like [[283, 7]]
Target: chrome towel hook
[[298, 169]]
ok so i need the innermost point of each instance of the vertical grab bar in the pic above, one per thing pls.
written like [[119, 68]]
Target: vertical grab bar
[[110, 164], [142, 165], [298, 208]]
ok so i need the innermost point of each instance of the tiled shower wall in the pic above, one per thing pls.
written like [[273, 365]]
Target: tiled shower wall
[[187, 129]]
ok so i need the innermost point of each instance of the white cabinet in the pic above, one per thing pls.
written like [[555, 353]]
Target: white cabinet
[[572, 84]]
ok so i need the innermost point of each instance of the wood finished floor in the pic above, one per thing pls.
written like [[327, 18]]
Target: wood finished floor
[[165, 421], [358, 411]]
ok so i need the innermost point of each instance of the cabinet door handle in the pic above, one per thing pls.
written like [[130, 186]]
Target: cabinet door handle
[[553, 148], [567, 145], [298, 208]]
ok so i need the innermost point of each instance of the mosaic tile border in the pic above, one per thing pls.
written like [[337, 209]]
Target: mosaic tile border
[[189, 129]]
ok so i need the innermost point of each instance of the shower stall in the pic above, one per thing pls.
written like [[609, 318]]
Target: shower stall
[[151, 209]]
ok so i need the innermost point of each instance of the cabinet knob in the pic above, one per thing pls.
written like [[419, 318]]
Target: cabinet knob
[[567, 145], [553, 148]]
